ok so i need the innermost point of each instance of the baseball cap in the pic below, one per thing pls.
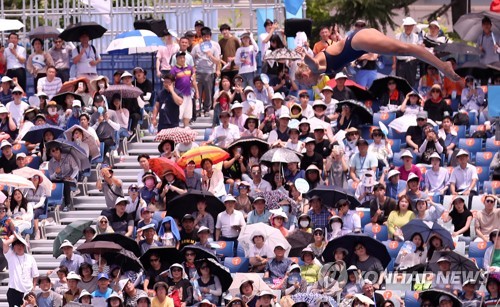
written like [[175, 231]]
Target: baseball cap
[[180, 53], [102, 275], [327, 88], [120, 200], [279, 245], [406, 153], [203, 228], [340, 75], [77, 103], [422, 114], [277, 96], [73, 275], [444, 297], [5, 79], [361, 141], [66, 243], [199, 23], [443, 259], [126, 74], [462, 152], [229, 197], [256, 199], [138, 69], [266, 292], [187, 217], [20, 155], [408, 21], [18, 90], [5, 143], [412, 176]]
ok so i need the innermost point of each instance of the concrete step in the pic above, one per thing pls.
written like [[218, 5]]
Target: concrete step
[[90, 206], [82, 214], [142, 146], [150, 151], [88, 200], [127, 165]]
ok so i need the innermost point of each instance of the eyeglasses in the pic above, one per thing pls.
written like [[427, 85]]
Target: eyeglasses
[[103, 222], [318, 234], [237, 303], [190, 254], [204, 267], [490, 201], [154, 259], [420, 119], [3, 210], [359, 248], [16, 93], [435, 91], [377, 134], [256, 172], [133, 190]]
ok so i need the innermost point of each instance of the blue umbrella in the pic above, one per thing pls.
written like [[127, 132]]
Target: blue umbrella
[[35, 134], [72, 149], [136, 41], [427, 229]]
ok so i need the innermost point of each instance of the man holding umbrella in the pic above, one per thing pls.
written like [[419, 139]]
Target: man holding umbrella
[[63, 168], [86, 58]]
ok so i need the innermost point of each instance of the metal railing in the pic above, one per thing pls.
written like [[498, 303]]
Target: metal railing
[[119, 15]]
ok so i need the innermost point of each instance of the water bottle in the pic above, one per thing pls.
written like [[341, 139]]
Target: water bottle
[[216, 86]]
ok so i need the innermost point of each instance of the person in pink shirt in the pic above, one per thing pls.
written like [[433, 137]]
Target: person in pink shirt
[[408, 167], [165, 53]]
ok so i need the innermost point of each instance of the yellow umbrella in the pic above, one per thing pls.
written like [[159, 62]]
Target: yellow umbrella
[[215, 154]]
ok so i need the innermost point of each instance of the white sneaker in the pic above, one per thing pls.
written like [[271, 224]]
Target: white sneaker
[[115, 154]]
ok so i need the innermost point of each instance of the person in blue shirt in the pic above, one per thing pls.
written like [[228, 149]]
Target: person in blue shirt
[[394, 186], [259, 214], [103, 289]]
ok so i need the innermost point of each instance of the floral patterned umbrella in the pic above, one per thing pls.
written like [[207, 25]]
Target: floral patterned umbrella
[[177, 135], [273, 198]]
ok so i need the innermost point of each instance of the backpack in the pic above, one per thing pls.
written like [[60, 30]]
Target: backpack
[[93, 49]]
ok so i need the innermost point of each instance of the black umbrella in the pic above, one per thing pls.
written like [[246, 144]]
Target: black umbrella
[[379, 86], [475, 69], [220, 271], [200, 252], [125, 259], [299, 240], [457, 48], [36, 133], [61, 98], [373, 247], [246, 142], [364, 113], [98, 247], [186, 203], [125, 242], [433, 295], [168, 256], [73, 32], [71, 148], [44, 32], [459, 263], [330, 195]]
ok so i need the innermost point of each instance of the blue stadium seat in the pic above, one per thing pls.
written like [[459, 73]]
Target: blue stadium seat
[[474, 128], [390, 266], [471, 145], [99, 159], [411, 299], [483, 174], [393, 247], [491, 187], [57, 196], [395, 145], [366, 131], [206, 135], [478, 260], [226, 248], [46, 211], [477, 249], [460, 130], [384, 117], [380, 232], [472, 120], [240, 251], [17, 148], [35, 161], [237, 264], [364, 214], [492, 145], [484, 158]]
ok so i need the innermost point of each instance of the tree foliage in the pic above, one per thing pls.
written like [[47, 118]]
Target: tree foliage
[[379, 14]]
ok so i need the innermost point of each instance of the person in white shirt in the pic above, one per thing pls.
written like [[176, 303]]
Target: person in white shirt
[[50, 84], [225, 133], [86, 58], [436, 180], [293, 142], [23, 270], [307, 110], [229, 222], [264, 38], [406, 66], [251, 105], [351, 222], [464, 176], [212, 179], [17, 106], [246, 58], [15, 58], [258, 185]]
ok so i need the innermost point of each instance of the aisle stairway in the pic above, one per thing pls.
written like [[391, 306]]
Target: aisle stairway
[[89, 207]]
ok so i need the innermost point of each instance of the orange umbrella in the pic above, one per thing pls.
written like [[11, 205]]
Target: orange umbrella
[[213, 153], [161, 165], [70, 86]]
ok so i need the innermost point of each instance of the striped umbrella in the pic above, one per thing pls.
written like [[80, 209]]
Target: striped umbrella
[[136, 41], [213, 153]]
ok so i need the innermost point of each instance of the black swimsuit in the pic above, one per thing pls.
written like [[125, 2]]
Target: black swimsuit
[[335, 63]]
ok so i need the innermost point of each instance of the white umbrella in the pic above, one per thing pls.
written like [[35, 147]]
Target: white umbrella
[[88, 139], [401, 124], [16, 181], [258, 283], [28, 172], [272, 236], [10, 25]]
